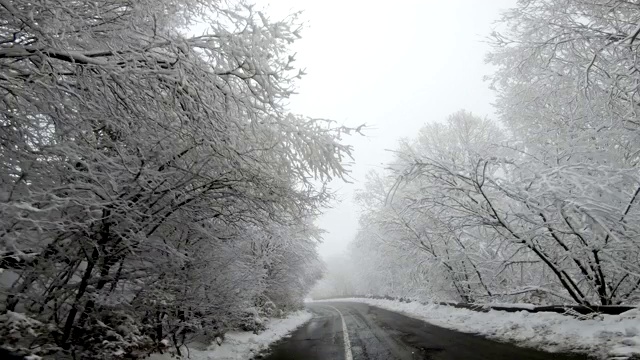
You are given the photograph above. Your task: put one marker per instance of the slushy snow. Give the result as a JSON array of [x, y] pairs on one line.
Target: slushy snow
[[607, 336], [240, 345]]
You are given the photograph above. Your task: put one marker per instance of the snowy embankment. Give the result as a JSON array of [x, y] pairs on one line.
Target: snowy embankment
[[606, 336], [243, 345]]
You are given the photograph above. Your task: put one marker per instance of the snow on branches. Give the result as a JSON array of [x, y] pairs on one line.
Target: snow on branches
[[153, 176]]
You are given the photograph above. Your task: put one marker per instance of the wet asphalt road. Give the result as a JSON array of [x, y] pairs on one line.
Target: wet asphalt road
[[377, 334]]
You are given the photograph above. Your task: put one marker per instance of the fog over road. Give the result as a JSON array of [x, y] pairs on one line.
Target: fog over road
[[377, 334]]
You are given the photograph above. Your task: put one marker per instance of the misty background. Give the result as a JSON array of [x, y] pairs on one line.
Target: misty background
[[392, 66]]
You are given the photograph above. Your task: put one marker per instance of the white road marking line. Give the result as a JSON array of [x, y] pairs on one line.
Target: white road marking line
[[345, 333]]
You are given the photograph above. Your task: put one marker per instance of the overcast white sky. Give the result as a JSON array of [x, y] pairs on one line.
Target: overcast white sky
[[394, 65]]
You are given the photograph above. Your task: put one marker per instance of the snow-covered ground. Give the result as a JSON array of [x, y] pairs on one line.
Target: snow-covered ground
[[244, 345], [608, 336]]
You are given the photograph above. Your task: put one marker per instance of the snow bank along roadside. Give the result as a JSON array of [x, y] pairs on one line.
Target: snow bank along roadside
[[606, 336], [244, 345]]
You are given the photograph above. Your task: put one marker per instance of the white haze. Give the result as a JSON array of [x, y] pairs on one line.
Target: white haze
[[392, 66]]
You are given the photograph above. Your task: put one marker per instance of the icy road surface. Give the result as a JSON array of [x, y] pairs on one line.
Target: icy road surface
[[377, 334]]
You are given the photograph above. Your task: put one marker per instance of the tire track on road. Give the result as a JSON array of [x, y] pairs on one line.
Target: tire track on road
[[347, 344]]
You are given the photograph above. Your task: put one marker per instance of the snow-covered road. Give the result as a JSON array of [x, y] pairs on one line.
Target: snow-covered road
[[373, 333]]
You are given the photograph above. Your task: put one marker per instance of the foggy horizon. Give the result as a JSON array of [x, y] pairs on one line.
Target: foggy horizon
[[419, 75]]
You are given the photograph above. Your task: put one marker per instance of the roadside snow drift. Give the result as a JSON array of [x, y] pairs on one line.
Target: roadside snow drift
[[607, 336], [245, 345]]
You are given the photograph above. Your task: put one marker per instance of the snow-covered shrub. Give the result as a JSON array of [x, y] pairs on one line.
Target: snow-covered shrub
[[252, 321], [113, 334], [269, 309], [27, 336]]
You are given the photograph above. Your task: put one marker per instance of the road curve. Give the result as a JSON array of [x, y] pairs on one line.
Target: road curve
[[377, 334]]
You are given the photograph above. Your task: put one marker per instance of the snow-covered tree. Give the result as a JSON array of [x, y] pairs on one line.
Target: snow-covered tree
[[567, 82], [152, 181], [420, 216], [480, 218], [542, 208]]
